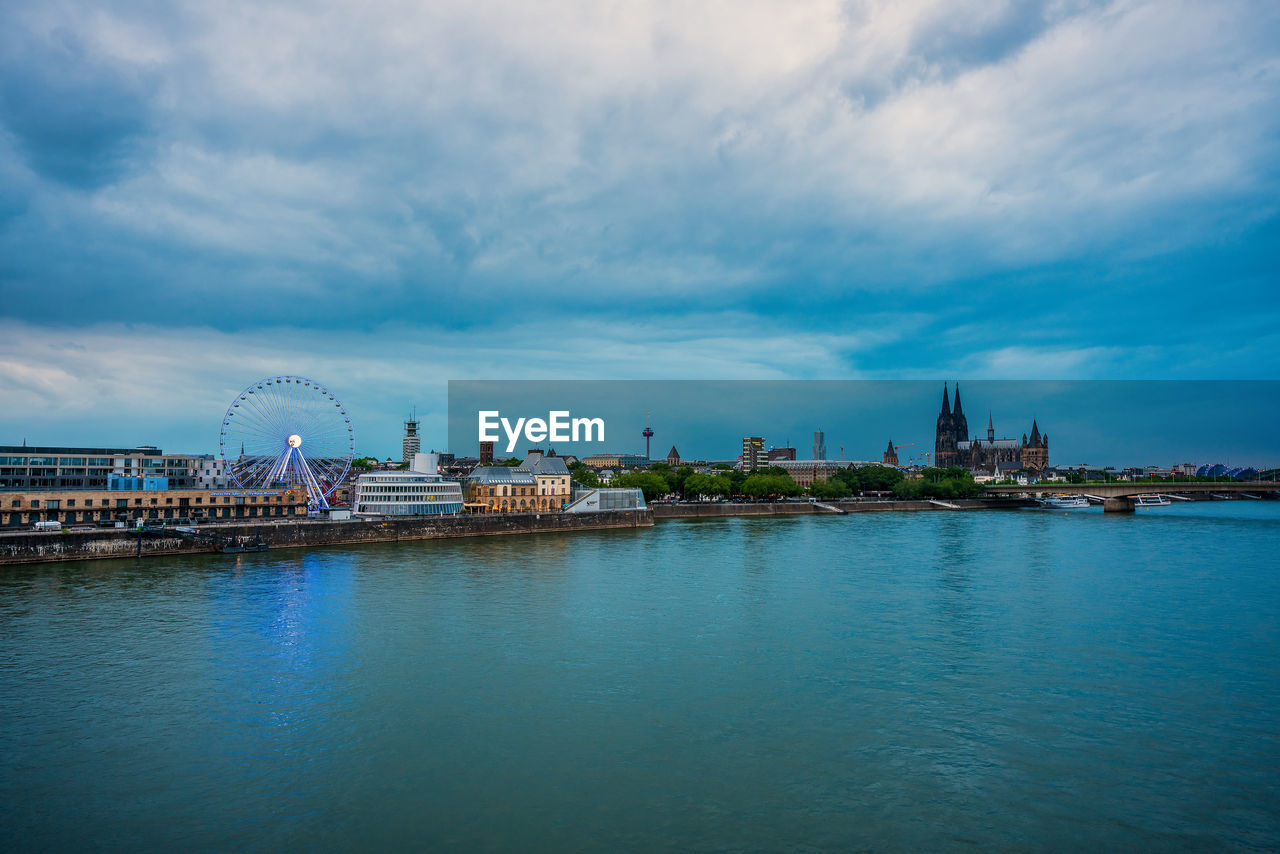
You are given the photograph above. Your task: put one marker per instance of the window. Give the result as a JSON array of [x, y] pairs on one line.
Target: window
[[88, 502], [14, 503], [71, 502], [35, 502], [168, 501]]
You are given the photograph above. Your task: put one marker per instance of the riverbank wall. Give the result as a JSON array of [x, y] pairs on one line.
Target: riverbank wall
[[53, 547], [713, 510]]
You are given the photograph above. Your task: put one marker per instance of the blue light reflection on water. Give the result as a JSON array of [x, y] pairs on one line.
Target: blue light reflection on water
[[913, 681]]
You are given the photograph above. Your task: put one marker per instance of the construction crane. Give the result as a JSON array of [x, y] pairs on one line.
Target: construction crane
[[908, 445]]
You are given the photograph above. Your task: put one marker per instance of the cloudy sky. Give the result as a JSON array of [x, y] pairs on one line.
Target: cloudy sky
[[389, 195]]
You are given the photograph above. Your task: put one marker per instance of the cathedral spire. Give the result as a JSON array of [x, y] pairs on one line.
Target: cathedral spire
[[1035, 433], [946, 402], [991, 430], [958, 410]]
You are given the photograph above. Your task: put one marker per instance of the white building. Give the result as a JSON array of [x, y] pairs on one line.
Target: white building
[[419, 491]]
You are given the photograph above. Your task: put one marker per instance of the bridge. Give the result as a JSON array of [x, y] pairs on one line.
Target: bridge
[[1117, 496]]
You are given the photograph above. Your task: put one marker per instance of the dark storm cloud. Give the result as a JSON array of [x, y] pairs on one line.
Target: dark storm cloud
[[77, 120], [1060, 185]]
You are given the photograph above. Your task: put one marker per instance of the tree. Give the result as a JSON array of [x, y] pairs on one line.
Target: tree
[[765, 482], [706, 485], [678, 477], [651, 484], [878, 478], [833, 488], [584, 475]]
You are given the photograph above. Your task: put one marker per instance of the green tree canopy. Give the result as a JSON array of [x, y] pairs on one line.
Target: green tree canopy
[[651, 484], [833, 488]]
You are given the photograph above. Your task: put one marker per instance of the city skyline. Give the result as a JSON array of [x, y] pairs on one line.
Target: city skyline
[[1096, 422]]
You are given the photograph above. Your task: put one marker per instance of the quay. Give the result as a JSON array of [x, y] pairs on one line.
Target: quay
[[100, 543]]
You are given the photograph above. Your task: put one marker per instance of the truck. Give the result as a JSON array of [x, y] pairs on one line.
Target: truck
[[47, 526]]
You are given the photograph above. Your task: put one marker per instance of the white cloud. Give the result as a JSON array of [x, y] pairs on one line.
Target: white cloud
[[573, 143]]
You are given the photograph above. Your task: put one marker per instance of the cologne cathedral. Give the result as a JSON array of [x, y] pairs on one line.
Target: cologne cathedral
[[953, 447]]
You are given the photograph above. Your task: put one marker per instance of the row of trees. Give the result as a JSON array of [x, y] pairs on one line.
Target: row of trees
[[661, 480]]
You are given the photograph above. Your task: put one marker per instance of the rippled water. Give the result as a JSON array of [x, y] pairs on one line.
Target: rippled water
[[915, 681]]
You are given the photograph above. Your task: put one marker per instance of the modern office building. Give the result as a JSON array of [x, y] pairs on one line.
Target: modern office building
[[819, 445], [613, 461], [419, 491], [28, 467], [752, 453]]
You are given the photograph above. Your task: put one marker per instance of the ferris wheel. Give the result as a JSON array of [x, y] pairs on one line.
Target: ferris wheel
[[288, 430]]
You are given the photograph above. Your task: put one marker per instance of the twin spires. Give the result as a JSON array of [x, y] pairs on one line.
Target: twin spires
[[946, 402]]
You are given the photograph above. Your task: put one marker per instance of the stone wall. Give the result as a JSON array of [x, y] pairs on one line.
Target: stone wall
[[31, 547]]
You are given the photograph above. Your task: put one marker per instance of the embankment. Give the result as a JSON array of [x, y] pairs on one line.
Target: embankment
[[31, 547], [698, 510]]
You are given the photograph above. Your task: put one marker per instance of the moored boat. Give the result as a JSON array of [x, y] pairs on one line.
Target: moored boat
[[1063, 502]]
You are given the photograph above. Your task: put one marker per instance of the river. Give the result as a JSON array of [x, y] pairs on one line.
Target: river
[[1007, 681]]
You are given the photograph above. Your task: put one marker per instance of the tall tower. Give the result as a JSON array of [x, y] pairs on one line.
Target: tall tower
[[648, 434], [752, 452], [944, 443], [819, 446], [991, 430], [961, 424], [412, 443]]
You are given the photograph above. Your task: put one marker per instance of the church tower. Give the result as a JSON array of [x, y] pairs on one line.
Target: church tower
[[1035, 451], [890, 455], [960, 424], [945, 441]]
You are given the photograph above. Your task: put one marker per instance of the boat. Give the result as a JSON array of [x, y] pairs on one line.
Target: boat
[[1063, 502], [1150, 500], [239, 545]]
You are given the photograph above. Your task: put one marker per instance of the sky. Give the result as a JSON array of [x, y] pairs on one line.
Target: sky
[[386, 196]]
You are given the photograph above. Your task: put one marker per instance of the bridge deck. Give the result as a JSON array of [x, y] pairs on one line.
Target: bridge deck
[[1123, 489]]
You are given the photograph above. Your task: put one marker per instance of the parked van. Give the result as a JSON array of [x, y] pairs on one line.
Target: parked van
[[48, 526]]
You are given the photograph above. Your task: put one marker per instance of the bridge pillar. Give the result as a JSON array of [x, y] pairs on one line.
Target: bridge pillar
[[1121, 504]]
